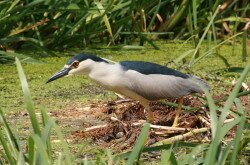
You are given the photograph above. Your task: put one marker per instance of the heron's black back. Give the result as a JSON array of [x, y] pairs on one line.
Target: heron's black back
[[82, 57], [151, 68]]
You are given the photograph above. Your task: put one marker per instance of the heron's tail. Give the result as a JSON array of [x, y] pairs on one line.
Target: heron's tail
[[201, 84]]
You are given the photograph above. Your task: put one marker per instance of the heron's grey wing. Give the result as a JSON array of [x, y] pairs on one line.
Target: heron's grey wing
[[158, 86], [148, 68]]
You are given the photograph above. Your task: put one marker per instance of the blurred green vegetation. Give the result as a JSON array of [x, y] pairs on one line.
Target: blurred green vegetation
[[48, 25]]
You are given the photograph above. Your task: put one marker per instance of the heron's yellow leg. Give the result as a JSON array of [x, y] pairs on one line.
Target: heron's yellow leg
[[178, 111], [150, 115]]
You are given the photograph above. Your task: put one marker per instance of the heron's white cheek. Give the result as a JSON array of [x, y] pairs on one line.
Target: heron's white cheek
[[78, 71], [72, 72]]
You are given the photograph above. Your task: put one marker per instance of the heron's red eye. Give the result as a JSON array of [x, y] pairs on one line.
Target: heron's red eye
[[75, 64]]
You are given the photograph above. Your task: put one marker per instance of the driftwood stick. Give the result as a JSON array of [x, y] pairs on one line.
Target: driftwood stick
[[204, 120], [140, 122], [95, 127], [228, 120], [181, 137], [165, 128], [123, 100], [207, 122]]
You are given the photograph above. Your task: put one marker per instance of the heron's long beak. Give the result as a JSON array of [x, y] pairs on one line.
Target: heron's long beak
[[59, 74]]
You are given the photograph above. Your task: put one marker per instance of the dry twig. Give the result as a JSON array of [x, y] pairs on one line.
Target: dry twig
[[181, 137]]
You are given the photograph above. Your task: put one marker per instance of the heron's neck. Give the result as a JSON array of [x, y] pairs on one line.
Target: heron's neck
[[99, 69], [104, 73]]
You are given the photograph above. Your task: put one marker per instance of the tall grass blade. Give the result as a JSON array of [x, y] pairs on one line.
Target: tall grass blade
[[216, 4], [165, 156], [244, 46], [239, 132], [213, 114], [12, 136], [135, 154], [44, 116], [6, 149], [173, 159], [212, 154], [27, 98], [226, 152], [105, 19], [214, 48], [47, 124], [184, 55], [204, 34], [193, 157], [78, 24], [59, 160], [209, 39], [66, 152], [40, 147], [227, 127], [31, 151], [154, 16], [234, 93], [46, 137], [149, 41], [194, 6], [22, 57], [173, 20], [37, 31], [20, 159]]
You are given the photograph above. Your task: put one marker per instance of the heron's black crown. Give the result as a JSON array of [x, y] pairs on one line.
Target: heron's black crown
[[151, 68], [82, 57]]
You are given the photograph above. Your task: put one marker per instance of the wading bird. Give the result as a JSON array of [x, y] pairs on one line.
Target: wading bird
[[138, 80]]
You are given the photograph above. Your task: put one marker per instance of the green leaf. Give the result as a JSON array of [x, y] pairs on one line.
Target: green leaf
[[213, 114], [41, 150], [140, 142], [22, 57], [209, 52], [225, 129], [234, 93], [184, 55], [133, 47], [244, 46], [27, 98], [31, 151], [239, 132], [204, 34], [13, 138], [66, 152], [73, 6], [235, 69], [20, 159], [7, 149], [165, 156], [105, 18], [154, 16], [46, 137], [225, 153]]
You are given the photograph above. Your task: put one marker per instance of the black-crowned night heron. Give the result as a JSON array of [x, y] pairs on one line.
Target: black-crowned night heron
[[142, 81]]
